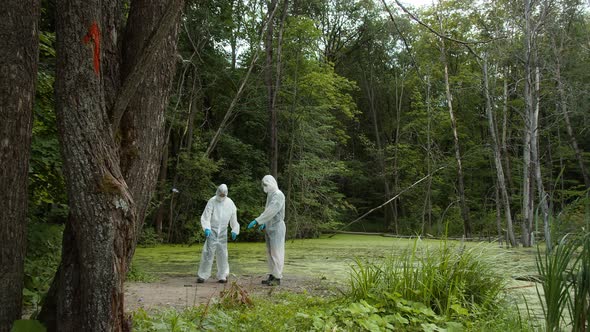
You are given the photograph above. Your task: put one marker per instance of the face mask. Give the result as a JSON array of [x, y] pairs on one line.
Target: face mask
[[265, 187]]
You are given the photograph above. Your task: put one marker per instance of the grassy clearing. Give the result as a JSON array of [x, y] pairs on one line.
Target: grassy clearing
[[334, 259]]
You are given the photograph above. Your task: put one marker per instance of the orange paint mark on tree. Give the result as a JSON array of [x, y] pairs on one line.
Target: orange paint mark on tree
[[94, 35]]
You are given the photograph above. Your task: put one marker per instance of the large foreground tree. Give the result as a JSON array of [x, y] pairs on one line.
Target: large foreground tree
[[113, 78], [19, 44]]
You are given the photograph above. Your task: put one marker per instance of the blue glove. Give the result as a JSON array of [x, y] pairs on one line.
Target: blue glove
[[262, 227], [252, 224], [207, 232], [234, 236]]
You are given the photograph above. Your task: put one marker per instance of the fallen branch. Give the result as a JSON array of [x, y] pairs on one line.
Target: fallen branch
[[390, 200]]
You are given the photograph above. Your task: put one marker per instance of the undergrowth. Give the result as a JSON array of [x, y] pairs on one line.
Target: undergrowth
[[448, 289]]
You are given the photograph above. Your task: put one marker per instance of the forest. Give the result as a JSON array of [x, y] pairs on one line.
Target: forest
[[456, 121]]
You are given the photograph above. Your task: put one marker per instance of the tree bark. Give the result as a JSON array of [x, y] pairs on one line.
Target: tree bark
[[268, 78], [19, 46], [461, 185], [505, 136], [527, 196], [543, 197], [498, 157], [110, 179]]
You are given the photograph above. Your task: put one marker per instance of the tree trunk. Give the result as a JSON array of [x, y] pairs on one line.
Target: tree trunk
[[501, 184], [18, 67], [398, 112], [427, 211], [527, 196], [268, 77], [505, 136], [461, 186], [499, 216], [543, 197], [110, 178]]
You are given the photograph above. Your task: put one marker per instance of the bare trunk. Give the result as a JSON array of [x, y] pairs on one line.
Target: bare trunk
[[268, 77], [499, 216], [18, 64], [109, 182], [543, 197], [505, 136], [498, 158], [275, 90], [427, 211], [461, 185], [527, 196], [398, 112]]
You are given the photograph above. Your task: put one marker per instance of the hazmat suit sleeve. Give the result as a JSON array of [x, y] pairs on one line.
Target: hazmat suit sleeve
[[206, 216], [272, 208], [233, 221]]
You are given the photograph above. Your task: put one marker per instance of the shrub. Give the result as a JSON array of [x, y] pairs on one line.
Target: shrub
[[452, 282]]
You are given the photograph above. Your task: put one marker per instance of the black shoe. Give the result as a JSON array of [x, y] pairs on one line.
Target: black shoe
[[270, 277], [200, 280], [274, 282], [222, 281]]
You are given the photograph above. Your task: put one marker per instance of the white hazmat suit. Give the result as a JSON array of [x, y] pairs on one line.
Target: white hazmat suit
[[219, 212], [273, 218]]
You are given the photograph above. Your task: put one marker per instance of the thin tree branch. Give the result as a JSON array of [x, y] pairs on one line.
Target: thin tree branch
[[393, 198], [463, 42], [228, 114]]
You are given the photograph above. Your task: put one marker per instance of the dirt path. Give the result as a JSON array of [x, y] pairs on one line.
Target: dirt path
[[181, 292]]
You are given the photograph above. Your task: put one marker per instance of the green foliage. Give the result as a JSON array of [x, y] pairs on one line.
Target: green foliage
[[28, 325], [455, 283], [148, 237], [281, 312], [47, 194], [41, 262]]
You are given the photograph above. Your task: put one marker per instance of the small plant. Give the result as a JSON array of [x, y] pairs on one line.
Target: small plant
[[235, 296]]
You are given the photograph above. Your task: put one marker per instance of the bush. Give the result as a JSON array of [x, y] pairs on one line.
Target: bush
[[422, 287], [148, 237]]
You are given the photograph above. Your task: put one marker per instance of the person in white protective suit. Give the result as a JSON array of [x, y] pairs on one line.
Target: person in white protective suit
[[272, 221], [219, 212]]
